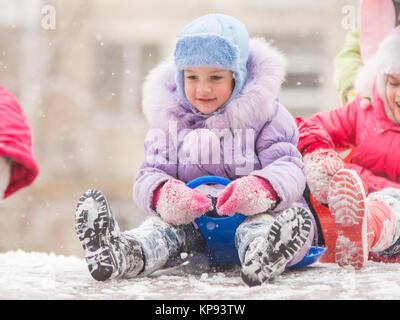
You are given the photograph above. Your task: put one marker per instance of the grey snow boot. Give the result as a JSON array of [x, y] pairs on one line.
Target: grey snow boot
[[108, 252], [266, 258]]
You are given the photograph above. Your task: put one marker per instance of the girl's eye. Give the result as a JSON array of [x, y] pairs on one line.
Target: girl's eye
[[216, 77], [394, 84], [191, 77]]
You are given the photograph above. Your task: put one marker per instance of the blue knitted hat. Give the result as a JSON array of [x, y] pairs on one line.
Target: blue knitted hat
[[213, 40]]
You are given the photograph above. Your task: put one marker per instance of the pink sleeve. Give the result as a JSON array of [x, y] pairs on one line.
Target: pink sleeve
[[335, 128], [373, 181], [15, 143]]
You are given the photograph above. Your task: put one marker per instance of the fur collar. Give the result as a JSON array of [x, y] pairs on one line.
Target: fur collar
[[254, 105]]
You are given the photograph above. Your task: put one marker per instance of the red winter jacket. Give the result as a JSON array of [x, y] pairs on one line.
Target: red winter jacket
[[374, 138], [15, 143]]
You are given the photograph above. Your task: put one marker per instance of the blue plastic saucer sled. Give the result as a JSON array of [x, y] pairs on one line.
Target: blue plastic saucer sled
[[220, 232]]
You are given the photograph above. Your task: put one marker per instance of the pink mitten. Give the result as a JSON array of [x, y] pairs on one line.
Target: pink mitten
[[178, 204], [248, 195], [320, 165]]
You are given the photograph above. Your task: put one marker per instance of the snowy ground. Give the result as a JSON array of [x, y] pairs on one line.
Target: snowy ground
[[46, 276]]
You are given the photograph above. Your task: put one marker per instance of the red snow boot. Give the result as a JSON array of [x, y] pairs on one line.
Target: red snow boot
[[362, 225], [348, 205]]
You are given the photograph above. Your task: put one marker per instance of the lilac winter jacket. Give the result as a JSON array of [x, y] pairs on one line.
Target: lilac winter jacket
[[252, 135]]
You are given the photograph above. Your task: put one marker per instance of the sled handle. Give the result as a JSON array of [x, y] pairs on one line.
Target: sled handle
[[208, 179]]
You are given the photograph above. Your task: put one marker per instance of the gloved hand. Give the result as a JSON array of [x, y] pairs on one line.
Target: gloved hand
[[248, 195], [178, 204], [320, 165]]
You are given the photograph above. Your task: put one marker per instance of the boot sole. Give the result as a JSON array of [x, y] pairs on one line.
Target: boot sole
[[93, 220], [347, 204], [274, 252]]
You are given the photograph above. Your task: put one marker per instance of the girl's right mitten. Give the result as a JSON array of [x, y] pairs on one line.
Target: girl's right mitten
[[178, 204]]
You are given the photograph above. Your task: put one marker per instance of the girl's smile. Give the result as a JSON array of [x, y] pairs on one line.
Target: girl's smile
[[206, 101]]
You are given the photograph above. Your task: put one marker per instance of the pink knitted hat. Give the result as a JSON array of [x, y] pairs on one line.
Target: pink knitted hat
[[377, 19], [388, 55]]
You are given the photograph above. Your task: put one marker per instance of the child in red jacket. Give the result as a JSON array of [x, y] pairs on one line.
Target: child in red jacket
[[365, 224], [18, 167]]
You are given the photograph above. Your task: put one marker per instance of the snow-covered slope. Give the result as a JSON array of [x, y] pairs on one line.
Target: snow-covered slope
[[36, 275]]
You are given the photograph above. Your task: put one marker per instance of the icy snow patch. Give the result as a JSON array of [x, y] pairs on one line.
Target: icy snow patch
[[35, 275]]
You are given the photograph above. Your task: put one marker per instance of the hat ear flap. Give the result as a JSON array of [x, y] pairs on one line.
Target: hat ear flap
[[365, 79]]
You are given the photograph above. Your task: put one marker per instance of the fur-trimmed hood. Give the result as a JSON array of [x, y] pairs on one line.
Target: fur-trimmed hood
[[373, 75], [252, 106]]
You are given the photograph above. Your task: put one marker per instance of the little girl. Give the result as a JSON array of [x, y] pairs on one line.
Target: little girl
[[365, 224], [213, 110], [18, 167]]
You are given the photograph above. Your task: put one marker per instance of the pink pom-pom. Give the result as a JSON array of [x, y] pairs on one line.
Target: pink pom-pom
[[365, 103]]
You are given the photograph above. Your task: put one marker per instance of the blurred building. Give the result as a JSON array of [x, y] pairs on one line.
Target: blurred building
[[77, 68]]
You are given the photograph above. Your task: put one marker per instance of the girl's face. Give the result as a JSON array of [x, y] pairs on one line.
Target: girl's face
[[208, 88], [393, 94]]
